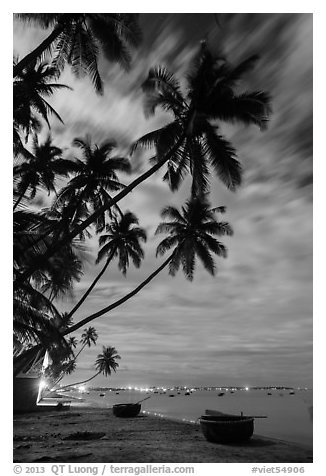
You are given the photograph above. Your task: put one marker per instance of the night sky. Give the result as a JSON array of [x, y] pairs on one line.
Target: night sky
[[252, 323]]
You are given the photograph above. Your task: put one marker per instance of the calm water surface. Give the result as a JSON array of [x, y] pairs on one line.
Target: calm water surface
[[289, 417]]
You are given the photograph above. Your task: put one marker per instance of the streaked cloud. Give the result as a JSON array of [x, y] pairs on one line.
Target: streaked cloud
[[253, 321]]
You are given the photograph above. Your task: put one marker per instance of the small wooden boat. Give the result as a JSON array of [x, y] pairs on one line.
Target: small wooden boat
[[126, 410], [292, 393], [102, 394], [171, 395], [269, 393], [187, 393], [227, 428], [220, 394], [217, 413]]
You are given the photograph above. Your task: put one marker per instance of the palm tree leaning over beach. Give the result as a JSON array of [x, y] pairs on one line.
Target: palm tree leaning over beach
[[122, 241], [31, 89], [72, 341], [192, 142], [77, 39], [44, 165], [191, 234], [193, 139], [88, 337], [96, 176], [105, 363]]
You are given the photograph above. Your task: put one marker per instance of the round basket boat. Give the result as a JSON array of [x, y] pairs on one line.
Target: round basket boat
[[227, 429], [126, 410]]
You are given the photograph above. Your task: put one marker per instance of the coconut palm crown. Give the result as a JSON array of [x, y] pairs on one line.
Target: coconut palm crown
[[193, 140], [106, 361], [191, 235], [31, 89], [123, 241], [89, 336], [78, 38], [41, 169], [95, 175]]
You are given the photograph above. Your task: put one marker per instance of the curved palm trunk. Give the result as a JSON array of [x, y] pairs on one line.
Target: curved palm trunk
[[78, 353], [39, 50], [101, 209], [89, 290], [120, 301], [79, 383]]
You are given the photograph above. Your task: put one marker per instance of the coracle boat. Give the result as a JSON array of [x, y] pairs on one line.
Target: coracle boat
[[224, 428], [126, 410]]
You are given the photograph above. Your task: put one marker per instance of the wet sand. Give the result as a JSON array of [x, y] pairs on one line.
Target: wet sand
[[63, 436]]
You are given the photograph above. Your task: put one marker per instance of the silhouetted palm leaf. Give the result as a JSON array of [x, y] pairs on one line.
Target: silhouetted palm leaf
[[79, 37]]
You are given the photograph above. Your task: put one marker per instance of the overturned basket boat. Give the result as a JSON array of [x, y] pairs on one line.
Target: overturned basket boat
[[227, 428], [126, 410]]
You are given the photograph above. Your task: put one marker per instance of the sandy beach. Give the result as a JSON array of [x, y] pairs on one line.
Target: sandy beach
[[94, 435]]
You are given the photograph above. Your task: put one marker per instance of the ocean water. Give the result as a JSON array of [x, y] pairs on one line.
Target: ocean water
[[289, 417]]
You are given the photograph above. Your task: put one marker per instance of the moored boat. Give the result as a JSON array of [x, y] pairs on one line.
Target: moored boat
[[126, 410], [225, 428]]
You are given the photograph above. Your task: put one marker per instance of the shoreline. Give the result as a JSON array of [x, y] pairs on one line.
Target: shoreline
[[59, 436]]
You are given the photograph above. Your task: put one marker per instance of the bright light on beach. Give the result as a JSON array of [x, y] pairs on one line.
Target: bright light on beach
[[42, 384], [247, 389]]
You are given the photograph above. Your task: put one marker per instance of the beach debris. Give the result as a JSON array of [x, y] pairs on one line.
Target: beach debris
[[45, 459], [84, 435], [63, 457]]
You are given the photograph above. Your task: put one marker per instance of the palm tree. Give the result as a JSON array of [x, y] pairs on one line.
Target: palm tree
[[78, 37], [105, 363], [66, 367], [44, 165], [55, 275], [96, 175], [192, 142], [122, 242], [33, 84], [88, 338], [72, 341], [211, 96], [191, 234], [35, 329]]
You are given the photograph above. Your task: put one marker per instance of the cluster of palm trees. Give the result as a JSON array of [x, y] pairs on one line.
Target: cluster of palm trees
[[50, 244]]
